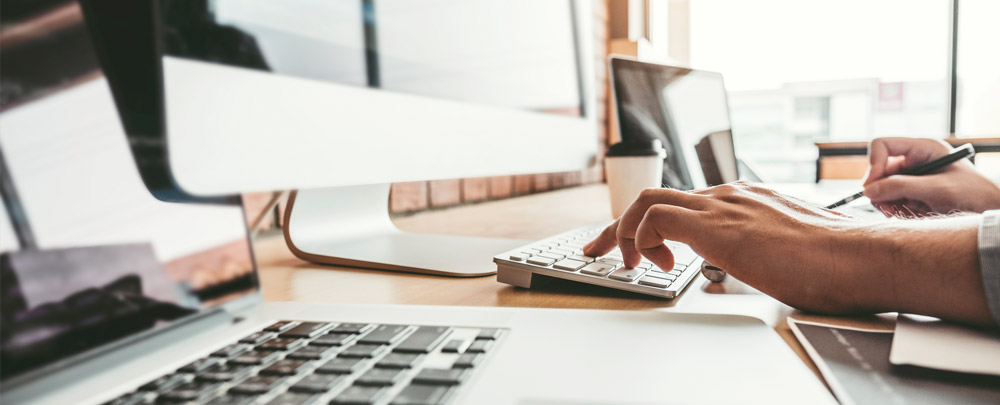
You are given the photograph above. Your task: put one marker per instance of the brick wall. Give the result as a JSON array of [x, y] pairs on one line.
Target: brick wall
[[421, 195]]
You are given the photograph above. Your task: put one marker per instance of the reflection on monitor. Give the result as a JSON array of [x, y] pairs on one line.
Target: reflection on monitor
[[105, 260], [679, 106]]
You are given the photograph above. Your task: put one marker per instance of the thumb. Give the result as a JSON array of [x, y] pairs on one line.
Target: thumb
[[902, 187]]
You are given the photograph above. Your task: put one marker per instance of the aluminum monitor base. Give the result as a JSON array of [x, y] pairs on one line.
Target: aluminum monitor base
[[350, 226]]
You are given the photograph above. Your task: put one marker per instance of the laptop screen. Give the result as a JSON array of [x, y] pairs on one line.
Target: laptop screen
[[679, 106], [90, 257]]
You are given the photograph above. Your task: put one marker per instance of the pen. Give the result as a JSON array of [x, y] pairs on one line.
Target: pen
[[959, 153]]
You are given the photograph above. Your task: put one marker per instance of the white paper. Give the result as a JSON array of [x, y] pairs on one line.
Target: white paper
[[933, 343]]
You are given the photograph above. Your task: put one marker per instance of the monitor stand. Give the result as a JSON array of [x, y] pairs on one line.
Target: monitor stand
[[350, 226]]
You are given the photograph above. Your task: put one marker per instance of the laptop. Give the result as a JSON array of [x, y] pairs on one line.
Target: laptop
[[111, 295]]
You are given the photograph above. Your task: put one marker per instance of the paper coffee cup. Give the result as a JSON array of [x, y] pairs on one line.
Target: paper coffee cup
[[630, 168]]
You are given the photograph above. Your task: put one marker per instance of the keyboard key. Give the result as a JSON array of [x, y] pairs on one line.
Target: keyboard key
[[281, 344], [488, 334], [400, 360], [479, 346], [541, 261], [627, 275], [295, 398], [561, 251], [424, 340], [357, 394], [232, 350], [385, 334], [281, 326], [468, 360], [234, 399], [597, 269], [363, 351], [666, 276], [224, 372], [192, 391], [340, 365], [164, 383], [644, 265], [200, 364], [532, 251], [286, 367], [319, 382], [520, 257], [455, 346], [312, 353], [569, 264], [258, 385], [256, 358], [674, 273], [680, 267], [381, 377], [334, 339], [581, 258], [654, 282], [439, 376], [353, 328], [307, 330], [422, 395], [553, 256], [257, 338], [610, 262]]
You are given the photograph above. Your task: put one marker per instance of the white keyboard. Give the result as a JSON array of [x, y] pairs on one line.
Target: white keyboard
[[562, 256]]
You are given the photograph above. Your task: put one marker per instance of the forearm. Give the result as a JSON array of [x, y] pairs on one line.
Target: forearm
[[933, 269]]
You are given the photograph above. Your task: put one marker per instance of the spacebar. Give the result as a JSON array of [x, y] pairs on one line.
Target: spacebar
[[424, 340]]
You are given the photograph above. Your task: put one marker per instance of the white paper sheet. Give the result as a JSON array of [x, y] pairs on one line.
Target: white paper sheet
[[933, 343]]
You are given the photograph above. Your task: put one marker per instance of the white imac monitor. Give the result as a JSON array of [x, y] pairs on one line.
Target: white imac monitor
[[340, 98]]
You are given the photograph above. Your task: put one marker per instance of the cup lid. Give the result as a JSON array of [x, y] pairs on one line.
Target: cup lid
[[638, 148]]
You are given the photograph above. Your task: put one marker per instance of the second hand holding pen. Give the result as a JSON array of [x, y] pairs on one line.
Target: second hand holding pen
[[959, 153]]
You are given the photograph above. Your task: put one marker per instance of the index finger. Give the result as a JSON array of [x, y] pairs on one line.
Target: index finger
[[629, 221], [914, 151], [604, 242]]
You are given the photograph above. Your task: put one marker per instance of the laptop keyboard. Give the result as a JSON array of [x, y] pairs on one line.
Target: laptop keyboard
[[296, 363], [561, 256]]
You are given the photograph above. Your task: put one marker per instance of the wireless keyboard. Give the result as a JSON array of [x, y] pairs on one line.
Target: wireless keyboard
[[561, 256]]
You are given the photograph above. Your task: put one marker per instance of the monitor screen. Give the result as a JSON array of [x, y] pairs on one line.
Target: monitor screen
[[678, 106], [462, 50], [89, 256]]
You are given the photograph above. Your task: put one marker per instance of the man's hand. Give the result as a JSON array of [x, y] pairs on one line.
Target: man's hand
[[806, 256], [957, 187]]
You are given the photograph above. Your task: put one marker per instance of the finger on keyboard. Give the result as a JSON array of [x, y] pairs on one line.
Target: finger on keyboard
[[603, 243]]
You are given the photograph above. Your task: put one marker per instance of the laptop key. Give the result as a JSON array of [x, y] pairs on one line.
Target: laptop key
[[400, 360], [281, 326], [231, 350], [442, 376], [200, 364], [295, 398], [468, 360], [312, 353], [353, 328], [340, 365], [192, 391], [334, 339], [256, 358], [424, 340], [380, 377], [455, 346], [363, 351], [281, 344], [224, 372], [360, 395], [257, 338], [164, 383], [286, 367], [385, 334], [307, 330], [319, 382], [258, 385], [479, 346], [422, 395]]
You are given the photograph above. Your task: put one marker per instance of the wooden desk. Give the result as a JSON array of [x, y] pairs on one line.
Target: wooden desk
[[285, 277]]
